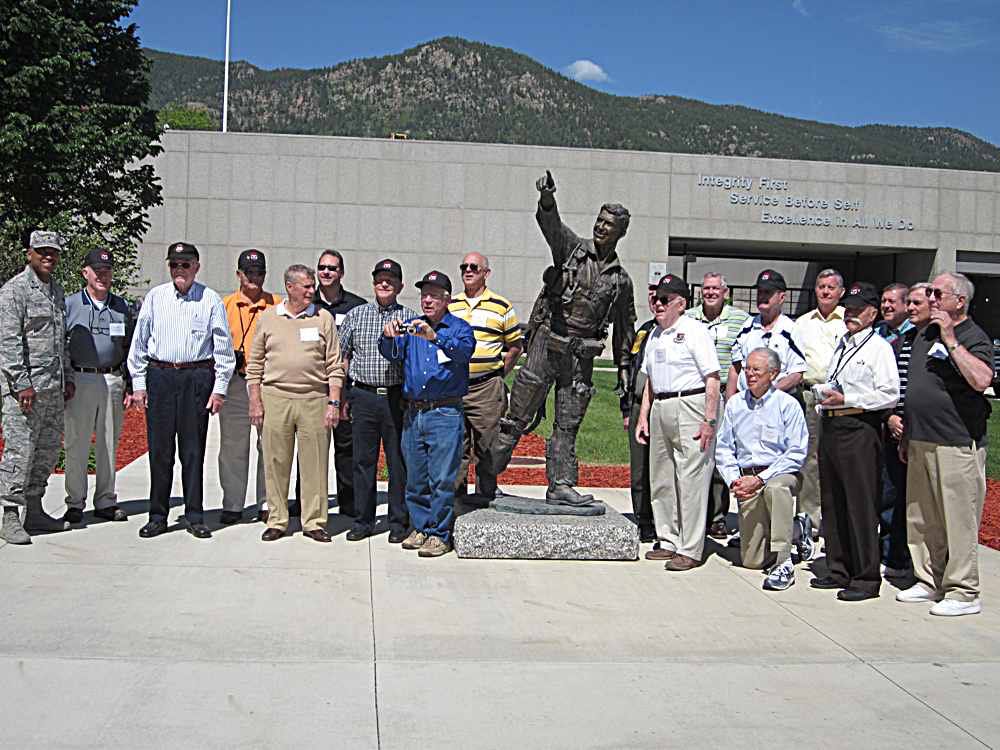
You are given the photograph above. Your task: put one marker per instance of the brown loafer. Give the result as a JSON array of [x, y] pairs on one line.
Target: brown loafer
[[718, 530], [681, 562], [660, 553], [318, 535], [271, 535]]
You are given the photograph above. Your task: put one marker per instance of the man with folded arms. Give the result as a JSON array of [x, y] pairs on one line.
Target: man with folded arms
[[435, 350], [944, 445], [760, 451], [295, 375], [862, 385], [181, 361], [679, 409]]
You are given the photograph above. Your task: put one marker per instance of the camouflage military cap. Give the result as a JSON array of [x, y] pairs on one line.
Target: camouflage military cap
[[40, 238]]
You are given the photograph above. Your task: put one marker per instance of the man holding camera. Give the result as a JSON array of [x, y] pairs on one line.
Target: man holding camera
[[243, 309]]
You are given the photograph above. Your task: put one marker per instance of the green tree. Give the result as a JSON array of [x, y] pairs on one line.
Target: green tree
[[75, 131], [180, 117]]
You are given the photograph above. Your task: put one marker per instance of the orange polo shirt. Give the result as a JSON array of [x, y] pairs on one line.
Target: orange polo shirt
[[243, 314]]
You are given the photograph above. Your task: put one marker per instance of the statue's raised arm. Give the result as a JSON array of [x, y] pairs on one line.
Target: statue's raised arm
[[560, 237]]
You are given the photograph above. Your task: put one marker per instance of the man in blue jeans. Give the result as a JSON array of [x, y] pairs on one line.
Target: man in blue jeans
[[435, 350]]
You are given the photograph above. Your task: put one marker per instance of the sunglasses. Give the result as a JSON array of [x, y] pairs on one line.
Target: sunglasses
[[47, 250], [175, 264], [939, 293], [664, 300], [324, 267], [474, 267]]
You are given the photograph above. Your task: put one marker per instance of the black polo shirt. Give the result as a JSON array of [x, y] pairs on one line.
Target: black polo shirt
[[338, 309], [941, 407]]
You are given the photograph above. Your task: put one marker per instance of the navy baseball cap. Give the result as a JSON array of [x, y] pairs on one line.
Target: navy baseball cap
[[388, 266], [861, 293], [770, 279], [435, 278]]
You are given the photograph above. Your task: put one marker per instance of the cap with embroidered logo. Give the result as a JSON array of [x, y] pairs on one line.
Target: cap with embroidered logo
[[671, 284], [861, 293], [435, 278], [98, 259], [388, 266], [251, 259], [182, 251]]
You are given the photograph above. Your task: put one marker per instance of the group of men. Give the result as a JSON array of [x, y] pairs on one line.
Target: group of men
[[873, 429], [287, 373]]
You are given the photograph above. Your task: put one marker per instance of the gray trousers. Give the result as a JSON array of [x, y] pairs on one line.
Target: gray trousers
[[96, 409], [31, 446], [234, 449]]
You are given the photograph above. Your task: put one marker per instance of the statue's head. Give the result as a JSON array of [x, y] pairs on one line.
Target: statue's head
[[611, 224]]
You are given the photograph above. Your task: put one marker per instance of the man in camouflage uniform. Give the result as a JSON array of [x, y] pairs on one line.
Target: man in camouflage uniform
[[586, 289], [37, 380]]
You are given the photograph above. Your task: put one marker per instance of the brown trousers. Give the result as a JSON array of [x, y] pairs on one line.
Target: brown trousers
[[485, 404]]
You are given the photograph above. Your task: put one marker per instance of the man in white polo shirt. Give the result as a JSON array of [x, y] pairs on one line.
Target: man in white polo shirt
[[677, 419]]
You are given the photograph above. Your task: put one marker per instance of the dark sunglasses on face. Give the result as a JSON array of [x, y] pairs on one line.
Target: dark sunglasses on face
[[939, 293], [175, 264], [323, 267], [474, 267], [663, 300]]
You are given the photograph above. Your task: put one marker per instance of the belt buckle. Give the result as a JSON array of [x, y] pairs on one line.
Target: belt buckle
[[381, 391]]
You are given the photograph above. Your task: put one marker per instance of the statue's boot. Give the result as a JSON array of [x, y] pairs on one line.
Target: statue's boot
[[37, 520], [12, 531], [502, 450], [563, 494]]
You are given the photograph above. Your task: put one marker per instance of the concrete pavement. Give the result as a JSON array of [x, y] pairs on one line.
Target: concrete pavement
[[113, 641]]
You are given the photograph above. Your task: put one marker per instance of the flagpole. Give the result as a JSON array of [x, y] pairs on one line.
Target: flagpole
[[225, 85]]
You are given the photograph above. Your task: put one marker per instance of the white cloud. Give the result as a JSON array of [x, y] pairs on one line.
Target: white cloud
[[586, 71], [936, 36], [800, 6]]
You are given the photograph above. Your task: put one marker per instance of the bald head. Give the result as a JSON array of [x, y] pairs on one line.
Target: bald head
[[475, 269]]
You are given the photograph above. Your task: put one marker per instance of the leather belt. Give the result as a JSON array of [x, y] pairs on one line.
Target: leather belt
[[748, 471], [200, 364], [378, 390], [428, 405], [851, 412], [97, 370], [677, 394], [484, 378]]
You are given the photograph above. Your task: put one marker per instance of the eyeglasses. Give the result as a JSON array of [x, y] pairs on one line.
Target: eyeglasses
[[323, 267], [474, 267], [939, 293], [175, 264], [384, 282]]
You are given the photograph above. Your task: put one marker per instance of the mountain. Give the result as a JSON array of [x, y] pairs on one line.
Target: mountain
[[451, 89]]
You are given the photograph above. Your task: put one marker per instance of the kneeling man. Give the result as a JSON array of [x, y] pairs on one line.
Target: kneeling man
[[760, 451]]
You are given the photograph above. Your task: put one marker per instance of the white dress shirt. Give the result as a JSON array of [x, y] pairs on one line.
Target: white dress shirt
[[679, 358], [778, 339], [769, 431], [864, 366]]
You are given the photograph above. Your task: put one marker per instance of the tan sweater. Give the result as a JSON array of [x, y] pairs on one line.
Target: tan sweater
[[297, 358]]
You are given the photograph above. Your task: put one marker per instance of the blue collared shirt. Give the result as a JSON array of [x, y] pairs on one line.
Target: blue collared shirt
[[434, 370], [769, 431]]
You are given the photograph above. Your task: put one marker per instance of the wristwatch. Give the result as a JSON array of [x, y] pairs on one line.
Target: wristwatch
[[711, 422], [334, 402]]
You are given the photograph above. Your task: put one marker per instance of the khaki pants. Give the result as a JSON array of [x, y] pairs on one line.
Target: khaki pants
[[680, 473], [945, 490], [285, 421], [809, 495], [234, 449], [97, 408], [484, 405], [766, 525]]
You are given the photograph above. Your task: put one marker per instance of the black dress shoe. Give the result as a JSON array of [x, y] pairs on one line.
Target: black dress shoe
[[318, 535], [229, 517], [827, 582], [73, 516], [358, 533], [114, 513], [271, 535], [856, 595], [153, 528], [262, 515], [396, 536], [199, 531]]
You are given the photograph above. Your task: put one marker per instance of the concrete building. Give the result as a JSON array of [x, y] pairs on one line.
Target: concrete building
[[426, 203]]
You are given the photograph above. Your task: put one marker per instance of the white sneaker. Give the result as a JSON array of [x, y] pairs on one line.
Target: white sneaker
[[954, 608], [918, 593]]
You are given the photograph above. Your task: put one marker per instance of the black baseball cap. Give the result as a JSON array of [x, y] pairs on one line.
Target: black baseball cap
[[770, 279], [251, 259], [861, 293], [182, 251], [437, 279], [388, 266], [99, 258], [670, 284]]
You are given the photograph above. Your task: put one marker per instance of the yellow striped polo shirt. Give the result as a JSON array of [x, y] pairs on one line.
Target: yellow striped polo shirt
[[496, 328]]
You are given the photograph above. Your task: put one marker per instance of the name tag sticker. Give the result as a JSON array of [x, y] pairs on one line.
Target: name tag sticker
[[340, 318], [117, 329], [661, 356], [442, 357], [308, 334]]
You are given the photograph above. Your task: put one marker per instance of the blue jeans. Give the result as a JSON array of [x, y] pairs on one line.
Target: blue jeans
[[432, 450]]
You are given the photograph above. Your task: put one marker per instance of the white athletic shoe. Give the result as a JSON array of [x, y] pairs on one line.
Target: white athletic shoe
[[918, 593], [954, 608]]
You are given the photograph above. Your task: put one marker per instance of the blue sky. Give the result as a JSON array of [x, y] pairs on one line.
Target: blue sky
[[908, 62]]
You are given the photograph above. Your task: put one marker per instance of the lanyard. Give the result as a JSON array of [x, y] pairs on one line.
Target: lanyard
[[841, 363], [243, 328]]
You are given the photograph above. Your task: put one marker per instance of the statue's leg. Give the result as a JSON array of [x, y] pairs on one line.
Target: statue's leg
[[574, 389], [531, 386]]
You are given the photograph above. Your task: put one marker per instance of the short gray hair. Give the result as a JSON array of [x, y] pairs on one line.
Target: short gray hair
[[921, 286], [773, 361], [297, 269], [961, 285], [716, 275], [827, 273]]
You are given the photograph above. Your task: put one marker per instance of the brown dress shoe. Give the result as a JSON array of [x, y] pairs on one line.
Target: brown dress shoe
[[718, 530], [681, 562], [660, 553], [272, 535], [318, 535]]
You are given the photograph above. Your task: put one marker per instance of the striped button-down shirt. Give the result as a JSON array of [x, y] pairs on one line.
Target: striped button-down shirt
[[495, 324], [724, 329], [359, 337], [175, 327], [905, 346]]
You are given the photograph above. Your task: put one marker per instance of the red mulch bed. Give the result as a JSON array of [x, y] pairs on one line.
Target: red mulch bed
[[133, 446]]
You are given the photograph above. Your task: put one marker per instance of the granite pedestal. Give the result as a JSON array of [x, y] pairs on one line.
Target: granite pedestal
[[492, 534]]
